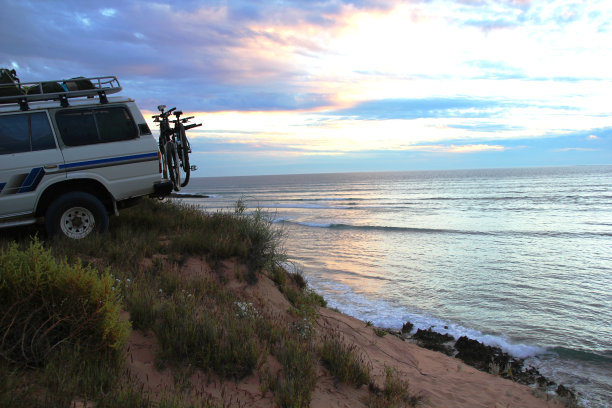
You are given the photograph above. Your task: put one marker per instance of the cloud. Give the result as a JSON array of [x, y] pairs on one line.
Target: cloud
[[575, 149], [473, 148], [108, 12], [418, 108], [343, 76]]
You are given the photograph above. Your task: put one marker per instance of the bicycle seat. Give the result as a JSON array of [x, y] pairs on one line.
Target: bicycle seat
[[178, 113]]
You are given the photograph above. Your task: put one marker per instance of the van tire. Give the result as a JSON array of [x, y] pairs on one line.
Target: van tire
[[76, 215]]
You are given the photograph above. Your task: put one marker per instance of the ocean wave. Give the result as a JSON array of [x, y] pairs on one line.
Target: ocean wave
[[543, 198], [326, 199], [541, 234], [381, 228], [312, 206], [385, 314]]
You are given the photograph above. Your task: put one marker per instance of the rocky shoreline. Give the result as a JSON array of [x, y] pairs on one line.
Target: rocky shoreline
[[482, 357]]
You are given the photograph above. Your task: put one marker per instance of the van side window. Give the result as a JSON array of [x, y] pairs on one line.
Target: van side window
[[25, 132], [79, 127]]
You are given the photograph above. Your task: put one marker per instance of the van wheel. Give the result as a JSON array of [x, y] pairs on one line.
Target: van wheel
[[76, 215]]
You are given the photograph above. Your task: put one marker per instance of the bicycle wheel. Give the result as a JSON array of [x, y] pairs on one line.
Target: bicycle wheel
[[162, 150], [184, 153], [172, 161]]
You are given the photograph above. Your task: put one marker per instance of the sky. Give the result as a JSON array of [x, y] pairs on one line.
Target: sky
[[310, 86]]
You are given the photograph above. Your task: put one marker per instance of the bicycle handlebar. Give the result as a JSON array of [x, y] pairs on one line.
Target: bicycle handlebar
[[187, 127], [168, 112], [163, 115]]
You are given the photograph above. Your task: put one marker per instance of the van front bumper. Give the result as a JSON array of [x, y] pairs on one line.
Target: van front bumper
[[162, 189]]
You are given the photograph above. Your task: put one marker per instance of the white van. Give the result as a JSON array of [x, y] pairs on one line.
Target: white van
[[70, 155]]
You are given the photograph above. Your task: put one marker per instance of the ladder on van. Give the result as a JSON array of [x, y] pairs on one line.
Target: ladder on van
[[61, 90]]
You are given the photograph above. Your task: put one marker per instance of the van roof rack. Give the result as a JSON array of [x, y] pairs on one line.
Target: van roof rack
[[60, 90]]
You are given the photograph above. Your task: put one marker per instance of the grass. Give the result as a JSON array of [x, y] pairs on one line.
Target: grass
[[380, 332], [344, 361], [297, 379], [395, 393], [197, 323], [46, 304], [212, 337]]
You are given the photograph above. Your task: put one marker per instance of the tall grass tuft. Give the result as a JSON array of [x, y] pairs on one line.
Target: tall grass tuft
[[344, 361], [262, 238], [395, 393], [294, 386]]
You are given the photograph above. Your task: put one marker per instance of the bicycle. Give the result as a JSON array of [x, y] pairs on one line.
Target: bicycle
[[167, 147], [182, 144], [174, 146]]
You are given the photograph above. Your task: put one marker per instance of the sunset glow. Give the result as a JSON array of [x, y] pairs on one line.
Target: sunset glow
[[345, 86]]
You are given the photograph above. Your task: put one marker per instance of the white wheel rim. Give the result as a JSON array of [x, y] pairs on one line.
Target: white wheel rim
[[77, 222]]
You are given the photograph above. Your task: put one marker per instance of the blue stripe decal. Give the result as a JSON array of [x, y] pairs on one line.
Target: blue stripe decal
[[31, 182], [2, 186], [109, 160]]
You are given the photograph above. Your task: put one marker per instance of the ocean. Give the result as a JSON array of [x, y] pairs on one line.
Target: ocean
[[516, 258]]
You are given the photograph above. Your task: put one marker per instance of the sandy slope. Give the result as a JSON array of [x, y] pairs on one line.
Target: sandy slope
[[442, 381]]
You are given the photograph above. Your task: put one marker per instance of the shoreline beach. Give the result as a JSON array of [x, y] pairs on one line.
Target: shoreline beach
[[440, 380]]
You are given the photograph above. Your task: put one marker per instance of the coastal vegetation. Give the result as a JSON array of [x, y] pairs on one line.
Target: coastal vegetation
[[67, 309]]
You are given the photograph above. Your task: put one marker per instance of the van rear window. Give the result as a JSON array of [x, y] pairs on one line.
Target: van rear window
[[79, 127]]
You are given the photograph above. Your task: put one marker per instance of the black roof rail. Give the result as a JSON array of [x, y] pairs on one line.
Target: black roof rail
[[59, 90]]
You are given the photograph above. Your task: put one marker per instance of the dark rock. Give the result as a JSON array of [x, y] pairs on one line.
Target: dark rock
[[407, 327], [478, 355], [565, 392], [432, 340], [543, 382], [485, 358], [529, 376]]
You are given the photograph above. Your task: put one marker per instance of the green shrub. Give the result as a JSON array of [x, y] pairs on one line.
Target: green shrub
[[279, 276], [343, 361], [298, 278], [380, 332], [263, 240], [46, 303]]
